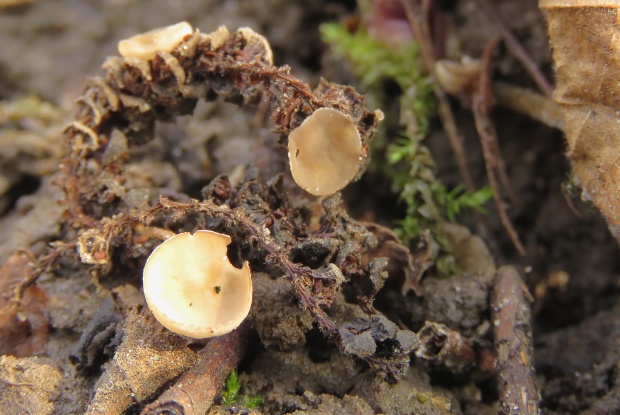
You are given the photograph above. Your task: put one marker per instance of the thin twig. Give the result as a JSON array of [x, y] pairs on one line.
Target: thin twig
[[195, 391], [490, 146], [419, 26], [515, 47], [510, 313]]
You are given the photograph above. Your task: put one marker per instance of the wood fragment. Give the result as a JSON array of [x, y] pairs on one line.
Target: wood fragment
[[445, 348], [511, 317], [195, 391]]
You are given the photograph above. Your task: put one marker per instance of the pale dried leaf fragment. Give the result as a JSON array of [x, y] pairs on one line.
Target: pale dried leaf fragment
[[143, 364], [146, 45], [585, 37]]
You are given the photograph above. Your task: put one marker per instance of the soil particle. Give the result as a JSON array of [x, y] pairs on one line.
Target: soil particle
[[470, 252], [33, 223], [280, 324], [460, 302], [28, 385], [580, 364], [73, 301], [411, 395], [325, 404], [282, 378]]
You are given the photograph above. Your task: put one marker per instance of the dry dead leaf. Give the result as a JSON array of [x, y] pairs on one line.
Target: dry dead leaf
[[24, 324], [585, 37]]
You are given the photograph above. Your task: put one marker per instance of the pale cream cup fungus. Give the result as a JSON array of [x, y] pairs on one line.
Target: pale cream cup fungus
[[193, 289], [325, 152], [146, 45]]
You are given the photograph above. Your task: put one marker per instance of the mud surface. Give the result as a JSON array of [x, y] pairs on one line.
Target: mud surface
[[81, 337]]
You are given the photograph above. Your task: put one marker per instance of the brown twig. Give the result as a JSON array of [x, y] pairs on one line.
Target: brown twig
[[510, 313], [419, 25], [515, 47], [195, 391], [490, 146]]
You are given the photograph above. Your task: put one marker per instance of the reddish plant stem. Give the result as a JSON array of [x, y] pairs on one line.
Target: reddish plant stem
[[490, 147], [515, 47]]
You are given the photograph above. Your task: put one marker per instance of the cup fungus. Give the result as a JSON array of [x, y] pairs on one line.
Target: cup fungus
[[192, 288], [325, 152], [454, 76], [146, 45]]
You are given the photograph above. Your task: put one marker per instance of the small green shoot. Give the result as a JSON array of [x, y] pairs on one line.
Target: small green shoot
[[457, 199], [251, 401], [230, 395]]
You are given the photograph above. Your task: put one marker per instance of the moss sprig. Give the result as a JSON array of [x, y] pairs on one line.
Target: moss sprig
[[230, 394]]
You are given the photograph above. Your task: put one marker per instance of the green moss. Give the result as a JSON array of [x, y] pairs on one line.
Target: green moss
[[230, 394]]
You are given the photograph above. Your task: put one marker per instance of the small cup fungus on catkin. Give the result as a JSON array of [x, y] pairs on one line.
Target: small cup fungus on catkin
[[193, 289], [146, 45], [454, 77], [325, 152]]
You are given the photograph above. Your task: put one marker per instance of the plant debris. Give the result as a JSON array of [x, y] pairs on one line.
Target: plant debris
[[24, 324], [162, 357], [582, 38]]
